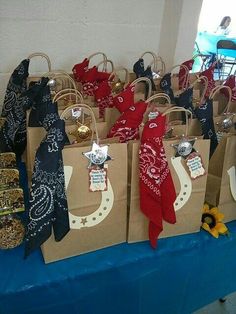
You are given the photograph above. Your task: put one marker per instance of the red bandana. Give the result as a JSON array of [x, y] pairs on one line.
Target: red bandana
[[183, 74], [209, 73], [79, 69], [125, 99], [127, 126], [232, 84], [89, 81], [103, 97], [157, 191]]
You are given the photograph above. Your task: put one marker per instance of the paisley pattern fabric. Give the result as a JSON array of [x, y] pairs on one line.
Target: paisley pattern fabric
[[165, 85], [204, 114], [48, 203], [140, 71], [230, 82], [127, 126], [185, 100], [103, 97], [13, 133], [183, 76], [79, 69], [124, 99], [209, 73], [157, 191], [15, 86]]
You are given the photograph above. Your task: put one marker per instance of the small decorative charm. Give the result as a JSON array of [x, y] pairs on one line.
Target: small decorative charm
[[195, 166], [98, 155], [52, 83], [82, 132], [117, 86], [212, 221], [184, 147], [153, 115], [227, 123]]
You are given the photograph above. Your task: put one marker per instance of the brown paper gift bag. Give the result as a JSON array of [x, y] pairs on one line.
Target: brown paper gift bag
[[36, 134], [224, 123], [221, 180], [97, 219], [190, 193]]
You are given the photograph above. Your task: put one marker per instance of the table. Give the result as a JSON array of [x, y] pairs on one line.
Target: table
[[207, 43], [183, 274]]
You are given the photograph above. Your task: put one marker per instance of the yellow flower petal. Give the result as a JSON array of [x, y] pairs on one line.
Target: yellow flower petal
[[214, 232], [221, 228], [214, 210], [206, 227], [220, 217], [205, 208]]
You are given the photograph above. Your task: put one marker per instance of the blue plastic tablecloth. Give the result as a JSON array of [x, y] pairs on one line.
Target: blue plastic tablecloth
[[207, 43], [183, 274]]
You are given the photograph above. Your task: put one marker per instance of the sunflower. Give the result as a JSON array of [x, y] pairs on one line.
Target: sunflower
[[212, 221]]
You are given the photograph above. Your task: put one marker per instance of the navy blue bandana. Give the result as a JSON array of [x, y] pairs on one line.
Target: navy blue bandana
[[15, 86], [204, 114], [140, 71], [13, 132], [185, 100], [165, 85], [48, 203]]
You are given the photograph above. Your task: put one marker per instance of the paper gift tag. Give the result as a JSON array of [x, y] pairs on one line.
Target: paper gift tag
[[7, 160], [11, 201], [97, 179], [9, 178], [76, 112], [195, 166]]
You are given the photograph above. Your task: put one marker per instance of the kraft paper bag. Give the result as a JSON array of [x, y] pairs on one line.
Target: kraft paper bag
[[101, 217], [188, 211], [221, 180], [36, 134]]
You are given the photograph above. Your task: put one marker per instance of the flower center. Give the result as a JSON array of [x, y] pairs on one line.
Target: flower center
[[209, 219]]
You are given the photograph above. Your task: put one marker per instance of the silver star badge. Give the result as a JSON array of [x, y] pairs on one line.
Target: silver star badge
[[98, 155], [184, 147]]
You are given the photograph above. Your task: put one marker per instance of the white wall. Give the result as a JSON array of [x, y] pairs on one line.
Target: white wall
[[70, 30], [187, 30]]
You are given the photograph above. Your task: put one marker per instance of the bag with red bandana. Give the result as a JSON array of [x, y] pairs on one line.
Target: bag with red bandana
[[130, 113], [166, 190]]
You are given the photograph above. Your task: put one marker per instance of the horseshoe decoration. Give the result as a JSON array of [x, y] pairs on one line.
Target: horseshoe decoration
[[78, 222], [232, 181], [185, 183]]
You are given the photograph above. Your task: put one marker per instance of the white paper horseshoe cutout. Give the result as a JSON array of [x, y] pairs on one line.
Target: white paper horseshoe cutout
[[232, 181], [185, 183], [78, 222]]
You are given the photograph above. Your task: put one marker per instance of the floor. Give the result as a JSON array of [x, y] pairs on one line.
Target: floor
[[228, 307]]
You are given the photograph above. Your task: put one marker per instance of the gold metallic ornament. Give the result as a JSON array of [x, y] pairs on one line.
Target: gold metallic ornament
[[82, 132], [117, 86]]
